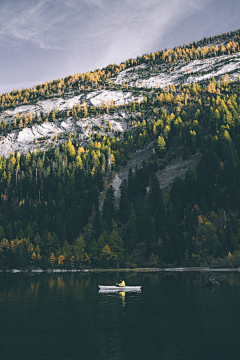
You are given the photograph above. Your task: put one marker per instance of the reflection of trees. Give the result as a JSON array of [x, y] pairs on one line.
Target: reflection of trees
[[16, 286], [19, 287], [175, 313]]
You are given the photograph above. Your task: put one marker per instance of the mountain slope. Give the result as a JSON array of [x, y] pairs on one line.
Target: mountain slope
[[160, 70], [65, 142]]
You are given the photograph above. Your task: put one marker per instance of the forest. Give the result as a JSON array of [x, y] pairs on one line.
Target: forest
[[50, 211]]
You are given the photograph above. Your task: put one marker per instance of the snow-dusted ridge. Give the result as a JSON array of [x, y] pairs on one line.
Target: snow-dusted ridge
[[179, 73], [41, 136], [94, 98], [42, 105], [118, 97]]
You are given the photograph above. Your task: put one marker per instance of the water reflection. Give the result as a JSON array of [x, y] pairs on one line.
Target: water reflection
[[123, 297], [14, 287], [63, 316]]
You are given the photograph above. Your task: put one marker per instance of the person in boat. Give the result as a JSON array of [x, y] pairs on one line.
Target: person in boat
[[122, 283]]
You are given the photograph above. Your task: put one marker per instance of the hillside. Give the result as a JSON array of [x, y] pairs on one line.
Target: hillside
[[65, 142], [52, 102]]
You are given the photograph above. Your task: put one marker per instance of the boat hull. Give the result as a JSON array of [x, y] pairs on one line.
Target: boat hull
[[104, 288]]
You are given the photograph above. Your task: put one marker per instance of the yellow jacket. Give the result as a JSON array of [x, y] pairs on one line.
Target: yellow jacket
[[122, 283]]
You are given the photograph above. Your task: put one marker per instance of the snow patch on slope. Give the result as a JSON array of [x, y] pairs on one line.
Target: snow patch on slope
[[118, 97], [94, 98], [54, 133], [184, 74], [42, 105], [130, 74], [60, 103]]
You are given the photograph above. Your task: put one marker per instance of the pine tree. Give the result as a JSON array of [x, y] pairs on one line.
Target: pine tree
[[67, 251], [124, 206], [109, 208], [97, 221], [155, 195], [131, 189], [116, 245], [29, 231], [106, 254], [9, 231], [161, 145], [144, 223], [102, 241], [79, 249], [2, 233], [94, 254], [132, 229]]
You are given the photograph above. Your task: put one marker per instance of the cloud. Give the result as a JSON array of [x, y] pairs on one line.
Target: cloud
[[67, 24], [144, 23], [60, 37], [32, 22]]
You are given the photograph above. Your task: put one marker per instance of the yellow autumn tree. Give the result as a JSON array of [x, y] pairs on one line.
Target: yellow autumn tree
[[85, 109], [33, 258], [161, 144], [71, 149], [106, 253], [211, 88], [61, 259], [72, 261], [52, 259]]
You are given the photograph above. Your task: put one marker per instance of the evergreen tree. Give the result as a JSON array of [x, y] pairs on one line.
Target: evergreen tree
[[97, 221], [109, 208], [131, 189], [9, 231], [2, 233], [124, 206], [155, 196], [79, 249], [132, 229], [116, 245]]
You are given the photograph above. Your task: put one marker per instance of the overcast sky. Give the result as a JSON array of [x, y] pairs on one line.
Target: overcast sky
[[42, 40]]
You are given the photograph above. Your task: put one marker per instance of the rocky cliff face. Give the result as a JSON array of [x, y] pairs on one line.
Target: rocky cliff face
[[41, 136]]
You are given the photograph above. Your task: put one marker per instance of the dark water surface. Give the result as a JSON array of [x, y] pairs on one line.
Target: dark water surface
[[62, 316]]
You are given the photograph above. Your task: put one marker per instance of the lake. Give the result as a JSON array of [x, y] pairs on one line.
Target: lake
[[62, 316]]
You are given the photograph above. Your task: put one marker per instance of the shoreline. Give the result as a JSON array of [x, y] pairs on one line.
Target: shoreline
[[139, 270]]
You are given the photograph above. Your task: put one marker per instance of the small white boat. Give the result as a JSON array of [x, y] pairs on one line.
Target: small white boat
[[113, 288]]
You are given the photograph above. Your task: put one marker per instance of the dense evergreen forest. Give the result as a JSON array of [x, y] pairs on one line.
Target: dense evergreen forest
[[49, 208]]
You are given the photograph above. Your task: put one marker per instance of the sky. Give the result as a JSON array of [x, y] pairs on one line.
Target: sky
[[44, 40]]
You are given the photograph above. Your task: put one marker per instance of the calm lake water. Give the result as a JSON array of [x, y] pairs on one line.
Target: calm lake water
[[62, 316]]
